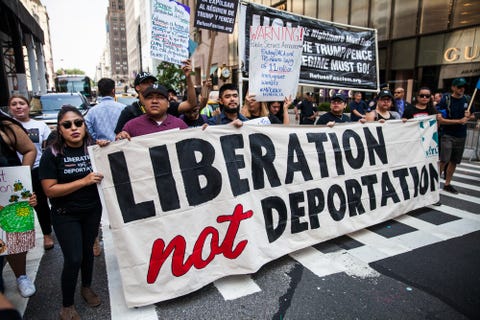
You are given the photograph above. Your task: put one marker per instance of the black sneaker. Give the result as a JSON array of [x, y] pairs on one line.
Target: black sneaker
[[450, 189], [437, 204]]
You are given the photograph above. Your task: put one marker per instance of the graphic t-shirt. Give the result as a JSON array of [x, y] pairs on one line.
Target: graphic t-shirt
[[413, 112], [73, 165]]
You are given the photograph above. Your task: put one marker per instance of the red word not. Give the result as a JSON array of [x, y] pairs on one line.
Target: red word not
[[178, 244]]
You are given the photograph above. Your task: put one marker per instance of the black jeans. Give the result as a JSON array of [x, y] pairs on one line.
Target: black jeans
[[76, 234]]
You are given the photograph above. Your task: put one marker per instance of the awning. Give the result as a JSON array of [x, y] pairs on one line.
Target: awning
[[29, 24]]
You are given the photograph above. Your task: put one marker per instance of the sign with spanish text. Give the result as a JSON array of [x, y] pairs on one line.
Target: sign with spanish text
[[334, 55], [275, 58], [17, 226], [170, 31], [216, 15], [189, 207]]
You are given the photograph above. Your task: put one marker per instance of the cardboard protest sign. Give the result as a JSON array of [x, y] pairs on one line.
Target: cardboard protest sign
[[170, 31], [17, 226], [216, 15], [334, 55], [189, 207], [275, 58]]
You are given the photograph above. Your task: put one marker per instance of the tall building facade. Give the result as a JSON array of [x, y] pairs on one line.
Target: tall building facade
[[117, 41]]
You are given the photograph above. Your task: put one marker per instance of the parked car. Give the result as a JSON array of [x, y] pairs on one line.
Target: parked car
[[126, 98], [45, 107]]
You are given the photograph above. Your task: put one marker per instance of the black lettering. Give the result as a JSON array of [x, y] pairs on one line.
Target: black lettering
[[355, 163], [388, 191], [164, 180], [401, 174], [377, 146], [316, 203], [337, 150], [354, 196], [193, 170], [369, 181], [416, 180], [268, 205], [336, 215], [234, 163], [297, 212], [423, 180], [433, 177], [263, 163], [123, 189], [319, 139], [302, 163]]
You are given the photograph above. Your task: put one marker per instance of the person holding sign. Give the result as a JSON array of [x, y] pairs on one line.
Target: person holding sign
[[155, 119], [68, 181], [382, 111], [229, 103], [337, 106], [13, 141], [279, 111], [253, 109], [38, 131]]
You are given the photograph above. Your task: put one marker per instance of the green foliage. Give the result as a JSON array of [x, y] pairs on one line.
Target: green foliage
[[171, 76], [69, 71], [324, 106]]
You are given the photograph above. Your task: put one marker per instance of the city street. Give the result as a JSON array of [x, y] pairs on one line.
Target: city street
[[422, 265]]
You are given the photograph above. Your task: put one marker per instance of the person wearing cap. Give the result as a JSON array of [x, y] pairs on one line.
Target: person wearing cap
[[308, 111], [337, 106], [144, 80], [155, 119], [383, 110], [452, 117]]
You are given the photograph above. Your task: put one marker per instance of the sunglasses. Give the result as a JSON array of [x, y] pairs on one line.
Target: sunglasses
[[68, 124], [424, 95]]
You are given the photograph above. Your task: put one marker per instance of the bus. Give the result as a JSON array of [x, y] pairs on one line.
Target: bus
[[74, 83]]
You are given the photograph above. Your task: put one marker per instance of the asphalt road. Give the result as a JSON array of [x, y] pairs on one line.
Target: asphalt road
[[422, 265]]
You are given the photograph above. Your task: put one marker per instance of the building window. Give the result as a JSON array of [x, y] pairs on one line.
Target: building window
[[405, 21], [380, 15], [434, 15], [465, 13], [340, 11], [403, 54], [359, 13], [325, 9]]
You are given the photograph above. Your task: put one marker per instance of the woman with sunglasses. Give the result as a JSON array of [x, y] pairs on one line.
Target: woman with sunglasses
[[423, 106], [68, 181]]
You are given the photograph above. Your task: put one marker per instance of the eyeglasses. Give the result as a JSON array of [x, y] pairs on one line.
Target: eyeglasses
[[424, 95], [68, 124]]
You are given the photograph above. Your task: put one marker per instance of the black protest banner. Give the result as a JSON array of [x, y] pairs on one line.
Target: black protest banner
[[334, 55], [216, 15]]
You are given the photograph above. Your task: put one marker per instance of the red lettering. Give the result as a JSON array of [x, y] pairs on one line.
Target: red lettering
[[177, 247]]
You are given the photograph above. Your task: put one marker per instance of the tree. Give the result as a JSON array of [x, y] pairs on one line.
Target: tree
[[171, 76], [69, 71]]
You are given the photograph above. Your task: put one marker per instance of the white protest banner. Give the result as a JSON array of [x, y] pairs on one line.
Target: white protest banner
[[170, 31], [189, 207], [275, 59], [17, 226], [334, 55]]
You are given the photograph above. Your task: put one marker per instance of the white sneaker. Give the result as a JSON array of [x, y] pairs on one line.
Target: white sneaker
[[25, 286]]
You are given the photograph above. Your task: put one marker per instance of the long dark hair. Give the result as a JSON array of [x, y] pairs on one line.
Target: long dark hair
[[58, 143], [6, 123]]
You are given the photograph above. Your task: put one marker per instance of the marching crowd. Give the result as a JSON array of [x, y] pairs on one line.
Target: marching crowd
[[62, 172]]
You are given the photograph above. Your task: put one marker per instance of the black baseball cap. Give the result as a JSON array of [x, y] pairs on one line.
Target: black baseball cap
[[155, 88], [142, 76], [459, 82], [385, 93], [339, 96]]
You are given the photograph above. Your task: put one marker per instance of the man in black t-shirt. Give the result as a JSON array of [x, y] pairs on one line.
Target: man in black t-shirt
[[308, 110], [337, 106]]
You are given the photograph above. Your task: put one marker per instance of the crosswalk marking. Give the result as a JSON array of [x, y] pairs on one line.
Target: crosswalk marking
[[234, 287], [464, 185], [461, 196]]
